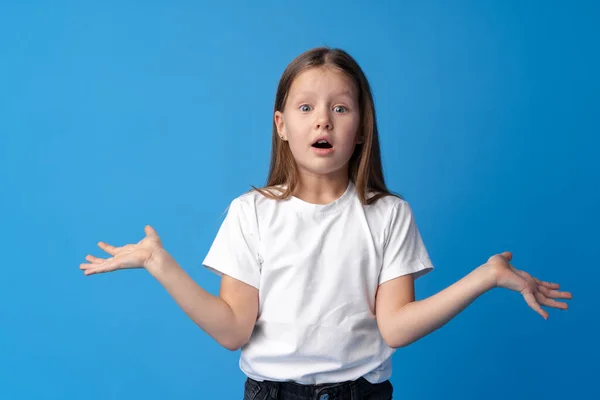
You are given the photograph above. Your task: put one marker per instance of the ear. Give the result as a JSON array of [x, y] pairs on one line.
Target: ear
[[280, 124], [360, 140]]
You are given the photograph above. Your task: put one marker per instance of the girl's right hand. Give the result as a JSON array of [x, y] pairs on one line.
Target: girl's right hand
[[125, 257]]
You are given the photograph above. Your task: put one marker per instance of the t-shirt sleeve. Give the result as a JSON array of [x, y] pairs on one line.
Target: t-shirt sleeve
[[234, 250], [404, 251]]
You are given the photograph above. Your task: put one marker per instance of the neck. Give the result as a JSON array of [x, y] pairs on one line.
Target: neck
[[321, 189]]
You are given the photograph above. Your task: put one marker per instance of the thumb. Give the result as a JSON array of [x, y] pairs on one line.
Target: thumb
[[150, 231], [507, 255]]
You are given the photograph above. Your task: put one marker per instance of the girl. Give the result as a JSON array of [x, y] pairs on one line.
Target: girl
[[318, 267]]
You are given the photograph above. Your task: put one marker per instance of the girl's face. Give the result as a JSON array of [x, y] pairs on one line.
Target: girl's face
[[321, 104]]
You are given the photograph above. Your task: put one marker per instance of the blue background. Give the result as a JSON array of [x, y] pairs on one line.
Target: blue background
[[117, 115]]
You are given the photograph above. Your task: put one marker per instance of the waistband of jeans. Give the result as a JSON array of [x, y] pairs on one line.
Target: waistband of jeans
[[342, 390]]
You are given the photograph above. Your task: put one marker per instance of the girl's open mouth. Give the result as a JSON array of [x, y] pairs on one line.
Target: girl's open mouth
[[322, 144]]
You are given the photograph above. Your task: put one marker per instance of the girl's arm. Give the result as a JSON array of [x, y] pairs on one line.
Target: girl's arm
[[402, 320], [229, 318]]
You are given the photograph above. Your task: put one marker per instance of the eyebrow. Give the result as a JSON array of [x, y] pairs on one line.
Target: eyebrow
[[345, 92]]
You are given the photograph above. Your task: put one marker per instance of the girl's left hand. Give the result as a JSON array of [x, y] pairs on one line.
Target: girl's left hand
[[535, 291]]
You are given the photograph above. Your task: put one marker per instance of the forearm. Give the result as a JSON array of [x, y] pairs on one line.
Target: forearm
[[209, 312], [419, 318]]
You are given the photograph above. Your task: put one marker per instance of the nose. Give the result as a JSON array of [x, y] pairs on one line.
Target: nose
[[324, 121]]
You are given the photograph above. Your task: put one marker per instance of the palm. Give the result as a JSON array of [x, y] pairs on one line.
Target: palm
[[535, 292], [125, 257]]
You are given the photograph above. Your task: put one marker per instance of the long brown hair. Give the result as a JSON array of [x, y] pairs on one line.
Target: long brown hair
[[364, 168]]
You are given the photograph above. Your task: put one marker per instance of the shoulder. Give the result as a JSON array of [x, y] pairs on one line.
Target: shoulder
[[254, 198], [391, 212], [388, 203], [250, 203]]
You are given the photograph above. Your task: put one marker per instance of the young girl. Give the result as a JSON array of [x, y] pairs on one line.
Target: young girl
[[318, 267]]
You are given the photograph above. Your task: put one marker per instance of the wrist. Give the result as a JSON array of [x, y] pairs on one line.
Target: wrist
[[488, 276], [158, 261]]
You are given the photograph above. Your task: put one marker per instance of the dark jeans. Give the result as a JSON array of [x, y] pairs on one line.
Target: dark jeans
[[360, 389]]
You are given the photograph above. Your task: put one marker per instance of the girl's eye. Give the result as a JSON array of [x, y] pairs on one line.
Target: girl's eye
[[339, 109]]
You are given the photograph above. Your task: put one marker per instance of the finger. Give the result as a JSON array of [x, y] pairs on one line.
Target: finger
[[94, 260], [112, 250], [97, 270], [107, 266], [547, 284], [555, 294], [150, 231], [530, 299], [93, 271], [543, 300]]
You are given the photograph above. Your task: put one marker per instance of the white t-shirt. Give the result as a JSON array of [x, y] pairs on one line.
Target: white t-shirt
[[317, 268]]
